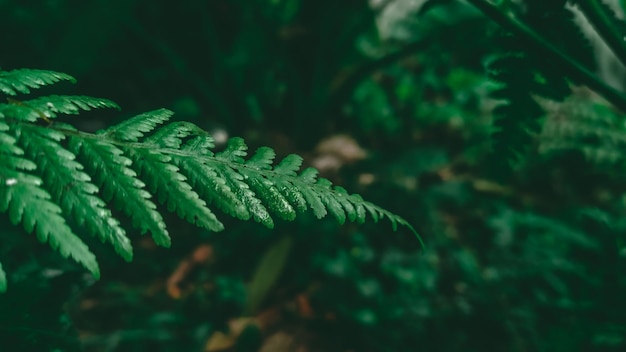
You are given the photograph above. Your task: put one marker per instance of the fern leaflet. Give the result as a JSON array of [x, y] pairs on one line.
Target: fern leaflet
[[19, 81]]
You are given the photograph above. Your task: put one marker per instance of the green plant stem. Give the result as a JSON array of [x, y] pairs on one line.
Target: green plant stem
[[602, 24], [575, 69]]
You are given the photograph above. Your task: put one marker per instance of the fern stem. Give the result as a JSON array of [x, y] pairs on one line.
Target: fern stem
[[569, 64], [602, 24]]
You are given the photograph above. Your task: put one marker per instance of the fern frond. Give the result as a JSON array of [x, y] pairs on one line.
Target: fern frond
[[53, 178], [216, 189], [68, 104], [26, 202], [518, 113], [19, 81], [171, 188], [253, 188], [71, 188], [134, 128], [521, 74], [119, 183], [582, 124], [49, 106]]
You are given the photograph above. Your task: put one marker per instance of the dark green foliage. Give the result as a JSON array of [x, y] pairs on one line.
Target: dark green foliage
[[525, 73], [47, 175], [482, 122], [587, 126]]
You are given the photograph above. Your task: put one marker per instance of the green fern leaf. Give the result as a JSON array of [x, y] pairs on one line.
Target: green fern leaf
[[254, 206], [19, 81], [268, 194], [309, 176], [11, 153], [67, 104], [262, 159], [359, 206], [119, 183], [71, 188], [125, 165], [348, 207], [235, 151], [171, 188], [200, 145], [267, 188], [289, 165], [134, 128], [48, 107], [27, 203], [172, 134], [216, 189], [330, 201]]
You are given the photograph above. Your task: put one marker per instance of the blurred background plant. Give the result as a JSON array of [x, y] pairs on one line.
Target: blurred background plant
[[389, 98]]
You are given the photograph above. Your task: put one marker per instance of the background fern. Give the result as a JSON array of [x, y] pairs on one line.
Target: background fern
[[584, 124], [522, 73], [55, 178]]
